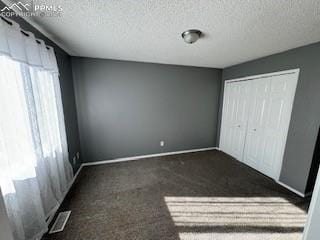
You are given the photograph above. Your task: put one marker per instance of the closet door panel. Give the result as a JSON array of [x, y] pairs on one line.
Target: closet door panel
[[255, 142], [273, 134], [235, 112], [226, 133], [270, 156], [281, 96], [241, 118]]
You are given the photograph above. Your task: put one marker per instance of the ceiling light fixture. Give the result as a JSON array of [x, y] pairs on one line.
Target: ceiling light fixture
[[191, 36]]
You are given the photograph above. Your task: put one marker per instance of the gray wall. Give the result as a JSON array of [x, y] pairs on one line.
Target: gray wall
[[67, 89], [126, 108], [305, 118]]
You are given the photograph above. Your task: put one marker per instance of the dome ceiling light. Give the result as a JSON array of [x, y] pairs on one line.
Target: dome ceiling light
[[191, 36]]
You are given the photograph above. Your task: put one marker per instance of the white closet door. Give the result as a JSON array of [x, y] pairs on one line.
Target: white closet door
[[227, 116], [268, 122], [234, 118], [257, 121], [282, 93]]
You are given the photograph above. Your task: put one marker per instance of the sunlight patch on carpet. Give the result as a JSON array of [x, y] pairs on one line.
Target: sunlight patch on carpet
[[244, 217]]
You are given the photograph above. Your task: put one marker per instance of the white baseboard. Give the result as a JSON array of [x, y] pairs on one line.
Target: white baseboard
[[142, 157], [54, 211], [291, 189], [125, 159], [280, 183]]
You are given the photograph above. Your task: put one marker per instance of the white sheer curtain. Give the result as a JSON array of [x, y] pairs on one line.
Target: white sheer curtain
[[35, 172]]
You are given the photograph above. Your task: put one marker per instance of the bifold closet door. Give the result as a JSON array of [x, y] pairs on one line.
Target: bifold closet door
[[255, 119], [269, 118], [234, 118], [259, 95]]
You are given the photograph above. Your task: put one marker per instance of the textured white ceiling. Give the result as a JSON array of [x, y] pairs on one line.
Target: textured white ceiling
[[150, 30]]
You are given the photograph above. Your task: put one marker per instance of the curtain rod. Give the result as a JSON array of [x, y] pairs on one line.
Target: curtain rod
[[22, 31]]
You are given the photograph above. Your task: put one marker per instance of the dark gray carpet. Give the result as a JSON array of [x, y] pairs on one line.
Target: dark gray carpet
[[204, 195]]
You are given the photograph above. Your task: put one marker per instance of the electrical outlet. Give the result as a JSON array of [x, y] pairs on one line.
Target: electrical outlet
[[161, 143], [78, 155], [74, 160]]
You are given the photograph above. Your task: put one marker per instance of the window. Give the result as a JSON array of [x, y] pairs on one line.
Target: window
[[35, 170]]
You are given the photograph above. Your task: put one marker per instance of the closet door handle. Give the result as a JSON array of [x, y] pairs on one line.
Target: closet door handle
[[254, 129]]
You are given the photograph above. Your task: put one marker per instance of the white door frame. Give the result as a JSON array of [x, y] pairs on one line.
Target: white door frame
[[259, 76], [311, 229], [264, 75]]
